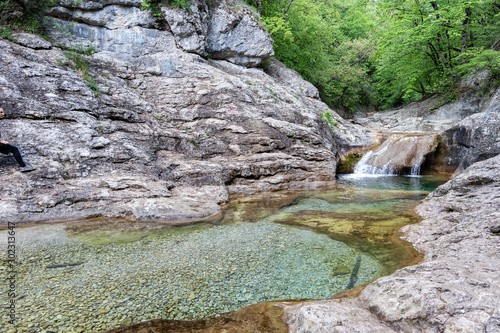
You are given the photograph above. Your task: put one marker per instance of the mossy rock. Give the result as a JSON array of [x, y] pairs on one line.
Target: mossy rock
[[346, 164]]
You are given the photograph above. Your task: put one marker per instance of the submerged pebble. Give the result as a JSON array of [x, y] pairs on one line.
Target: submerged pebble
[[178, 275], [109, 277]]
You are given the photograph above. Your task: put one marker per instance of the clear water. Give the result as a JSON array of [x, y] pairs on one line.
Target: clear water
[[425, 183], [300, 245]]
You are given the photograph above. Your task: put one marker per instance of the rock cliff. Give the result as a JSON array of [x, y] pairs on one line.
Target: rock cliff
[[147, 128]]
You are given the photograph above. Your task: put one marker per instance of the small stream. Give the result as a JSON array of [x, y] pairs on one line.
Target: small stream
[[90, 276]]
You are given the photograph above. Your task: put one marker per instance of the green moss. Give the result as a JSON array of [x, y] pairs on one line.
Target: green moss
[[347, 165]]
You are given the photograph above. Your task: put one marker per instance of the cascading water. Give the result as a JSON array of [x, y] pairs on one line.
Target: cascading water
[[399, 154], [415, 169], [363, 167]]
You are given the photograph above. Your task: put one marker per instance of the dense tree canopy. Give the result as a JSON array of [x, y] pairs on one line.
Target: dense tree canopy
[[358, 52], [388, 52]]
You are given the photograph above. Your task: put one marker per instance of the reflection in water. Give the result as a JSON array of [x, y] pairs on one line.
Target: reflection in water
[[387, 182]]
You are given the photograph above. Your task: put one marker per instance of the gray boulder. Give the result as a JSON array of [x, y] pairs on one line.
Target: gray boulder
[[236, 36], [475, 138], [110, 17]]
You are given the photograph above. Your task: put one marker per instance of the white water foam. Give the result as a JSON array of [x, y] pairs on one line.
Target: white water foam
[[364, 168]]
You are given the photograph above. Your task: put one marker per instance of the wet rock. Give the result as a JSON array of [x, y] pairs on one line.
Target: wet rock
[[399, 154]]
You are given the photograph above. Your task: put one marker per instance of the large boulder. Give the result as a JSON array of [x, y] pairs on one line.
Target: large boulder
[[237, 36], [188, 27], [475, 138]]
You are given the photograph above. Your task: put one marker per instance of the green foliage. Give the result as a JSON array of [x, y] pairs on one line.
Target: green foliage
[[347, 164], [18, 15], [384, 53], [327, 117], [479, 59], [250, 4], [64, 28], [154, 6], [427, 47], [322, 41], [6, 33], [90, 82], [100, 128], [76, 53], [180, 4]]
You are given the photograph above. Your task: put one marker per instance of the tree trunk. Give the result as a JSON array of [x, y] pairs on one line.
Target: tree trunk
[[259, 6], [465, 24]]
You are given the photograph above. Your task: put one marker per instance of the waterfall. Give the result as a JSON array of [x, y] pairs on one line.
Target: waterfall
[[415, 169], [399, 154], [363, 167]]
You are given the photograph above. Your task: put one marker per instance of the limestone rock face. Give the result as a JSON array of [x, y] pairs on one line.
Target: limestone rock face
[[475, 138], [293, 79], [189, 28], [32, 41], [111, 17], [158, 133], [455, 289], [226, 32]]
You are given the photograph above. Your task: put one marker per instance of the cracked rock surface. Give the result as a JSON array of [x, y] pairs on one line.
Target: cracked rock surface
[[160, 134]]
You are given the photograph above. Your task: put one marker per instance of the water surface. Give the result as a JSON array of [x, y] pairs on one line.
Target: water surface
[[89, 276], [425, 183]]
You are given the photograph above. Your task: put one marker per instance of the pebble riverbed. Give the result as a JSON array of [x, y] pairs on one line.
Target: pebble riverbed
[[179, 273]]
